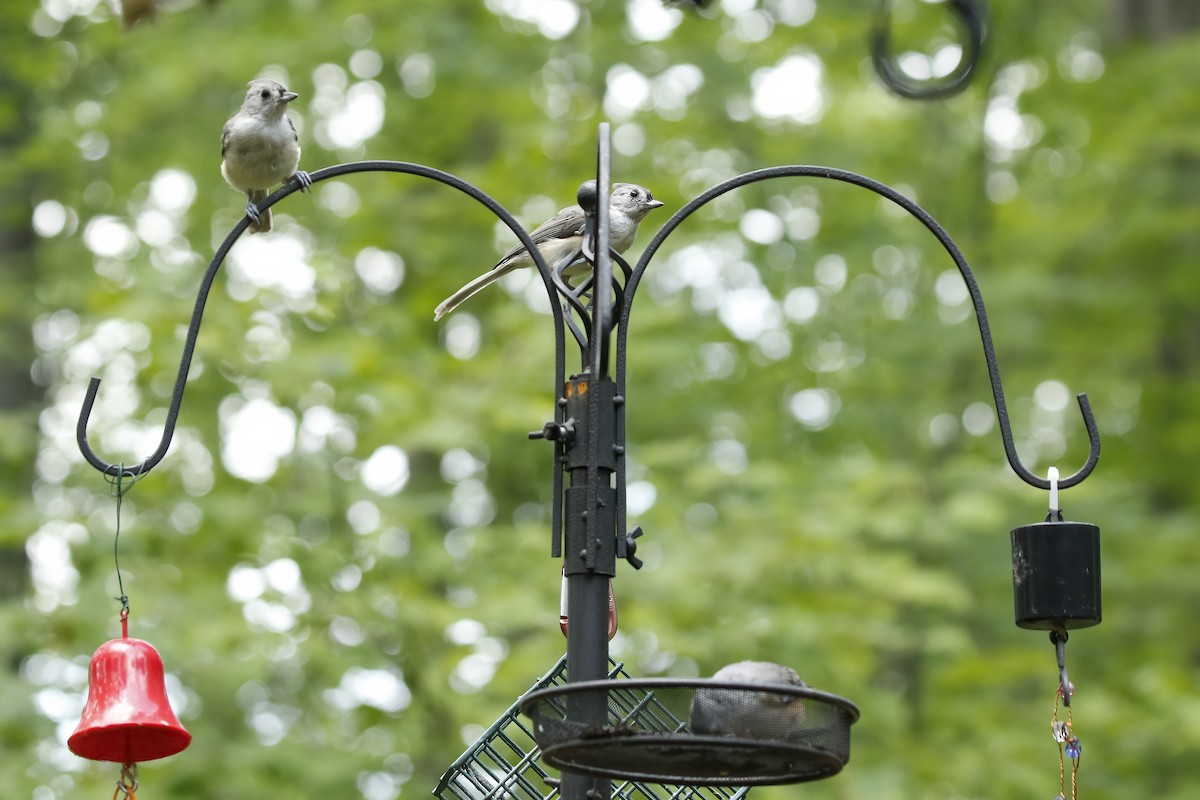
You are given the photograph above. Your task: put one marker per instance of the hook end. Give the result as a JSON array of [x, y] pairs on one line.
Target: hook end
[[85, 413], [117, 471]]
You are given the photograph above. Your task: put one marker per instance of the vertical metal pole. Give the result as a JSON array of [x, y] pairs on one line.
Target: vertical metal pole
[[589, 558], [590, 530]]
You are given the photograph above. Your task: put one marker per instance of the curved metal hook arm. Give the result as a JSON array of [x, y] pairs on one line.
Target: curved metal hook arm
[[193, 331], [985, 333]]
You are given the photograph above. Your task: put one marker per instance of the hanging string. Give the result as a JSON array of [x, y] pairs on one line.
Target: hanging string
[[119, 485], [1069, 748]]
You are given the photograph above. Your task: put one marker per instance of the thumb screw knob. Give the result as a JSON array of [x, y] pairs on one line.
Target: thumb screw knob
[[631, 548]]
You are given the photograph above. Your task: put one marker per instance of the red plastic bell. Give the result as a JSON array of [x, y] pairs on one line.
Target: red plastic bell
[[127, 718]]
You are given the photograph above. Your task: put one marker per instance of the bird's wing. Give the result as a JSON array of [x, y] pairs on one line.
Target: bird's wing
[[567, 222], [292, 125], [225, 136]]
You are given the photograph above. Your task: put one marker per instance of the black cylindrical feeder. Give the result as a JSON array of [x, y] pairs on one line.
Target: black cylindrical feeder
[[1056, 575]]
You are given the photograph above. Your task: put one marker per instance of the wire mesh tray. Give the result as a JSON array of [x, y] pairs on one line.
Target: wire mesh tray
[[692, 732], [505, 763]]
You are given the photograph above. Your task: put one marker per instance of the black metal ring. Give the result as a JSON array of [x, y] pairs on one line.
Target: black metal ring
[[972, 14]]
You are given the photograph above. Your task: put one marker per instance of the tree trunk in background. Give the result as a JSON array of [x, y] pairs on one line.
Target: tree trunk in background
[[20, 398], [1155, 20]]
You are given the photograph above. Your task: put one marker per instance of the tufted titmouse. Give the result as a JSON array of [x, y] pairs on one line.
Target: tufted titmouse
[[260, 148], [558, 236], [747, 714]]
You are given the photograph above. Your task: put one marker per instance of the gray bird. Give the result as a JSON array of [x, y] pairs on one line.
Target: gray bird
[[260, 148], [746, 713], [558, 236]]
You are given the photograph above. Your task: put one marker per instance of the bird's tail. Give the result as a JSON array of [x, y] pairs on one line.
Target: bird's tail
[[455, 300], [263, 223]]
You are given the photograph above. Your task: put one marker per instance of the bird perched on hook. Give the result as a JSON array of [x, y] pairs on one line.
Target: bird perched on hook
[[260, 148], [747, 713], [558, 236]]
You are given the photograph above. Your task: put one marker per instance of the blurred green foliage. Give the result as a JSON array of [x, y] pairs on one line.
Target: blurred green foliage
[[811, 452]]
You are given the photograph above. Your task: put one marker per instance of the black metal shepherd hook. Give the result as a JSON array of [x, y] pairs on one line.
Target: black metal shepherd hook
[[605, 317], [588, 431], [971, 14]]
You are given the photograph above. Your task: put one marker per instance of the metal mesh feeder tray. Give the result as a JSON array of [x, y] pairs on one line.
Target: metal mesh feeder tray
[[692, 732], [505, 763]]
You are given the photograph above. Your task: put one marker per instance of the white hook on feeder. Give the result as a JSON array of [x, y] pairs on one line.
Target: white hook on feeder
[[1055, 514]]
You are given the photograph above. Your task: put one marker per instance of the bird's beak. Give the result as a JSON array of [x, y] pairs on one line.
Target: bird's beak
[[654, 204], [289, 96]]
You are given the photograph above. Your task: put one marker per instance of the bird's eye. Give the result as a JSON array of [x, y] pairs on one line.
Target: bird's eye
[[265, 94], [634, 194]]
